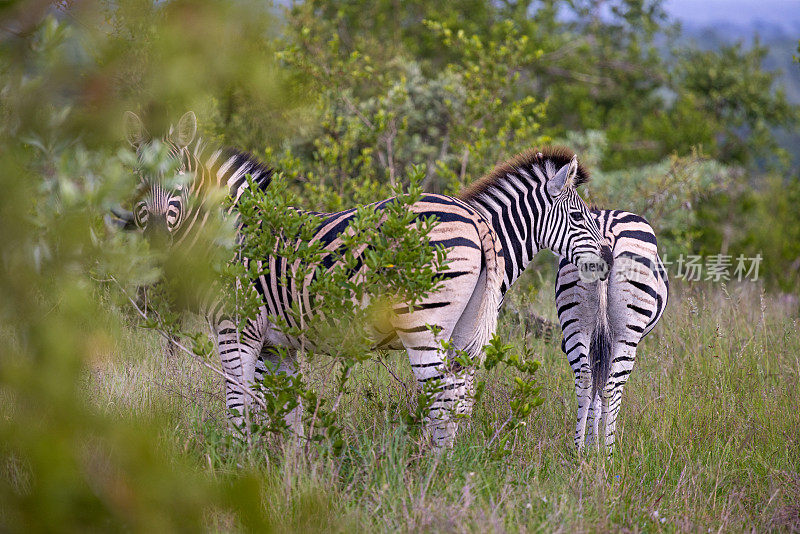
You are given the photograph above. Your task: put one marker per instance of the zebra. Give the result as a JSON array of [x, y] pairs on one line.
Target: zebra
[[603, 321], [490, 233]]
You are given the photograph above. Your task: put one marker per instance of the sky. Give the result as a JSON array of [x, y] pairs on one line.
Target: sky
[[785, 13]]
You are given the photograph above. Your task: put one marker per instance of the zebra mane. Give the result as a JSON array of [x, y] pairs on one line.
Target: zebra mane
[[558, 156], [234, 158]]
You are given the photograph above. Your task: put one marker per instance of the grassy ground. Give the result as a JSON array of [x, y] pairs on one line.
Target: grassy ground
[[709, 437]]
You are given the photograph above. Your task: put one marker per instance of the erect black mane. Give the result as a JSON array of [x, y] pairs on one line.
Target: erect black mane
[[557, 155]]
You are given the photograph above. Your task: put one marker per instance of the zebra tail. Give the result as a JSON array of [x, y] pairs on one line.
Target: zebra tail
[[487, 315], [600, 344]]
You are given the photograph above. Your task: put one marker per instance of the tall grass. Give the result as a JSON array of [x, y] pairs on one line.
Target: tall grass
[[708, 439]]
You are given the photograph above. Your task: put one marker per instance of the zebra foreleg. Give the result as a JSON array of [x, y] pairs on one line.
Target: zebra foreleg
[[464, 409], [274, 362], [238, 352]]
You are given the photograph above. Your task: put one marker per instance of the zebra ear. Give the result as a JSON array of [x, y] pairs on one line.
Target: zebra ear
[[119, 219], [565, 177], [135, 132], [186, 129]]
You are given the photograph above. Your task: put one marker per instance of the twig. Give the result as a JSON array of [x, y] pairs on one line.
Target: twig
[[311, 424], [380, 361], [341, 390], [497, 432], [389, 139], [191, 353], [431, 170]]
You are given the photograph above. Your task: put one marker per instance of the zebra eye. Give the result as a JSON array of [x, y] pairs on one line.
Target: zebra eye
[[140, 214], [174, 212], [576, 216]]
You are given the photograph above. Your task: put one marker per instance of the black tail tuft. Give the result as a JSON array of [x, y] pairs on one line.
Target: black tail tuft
[[600, 348]]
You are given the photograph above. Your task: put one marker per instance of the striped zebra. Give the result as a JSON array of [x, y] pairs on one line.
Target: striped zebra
[[491, 232], [604, 321]]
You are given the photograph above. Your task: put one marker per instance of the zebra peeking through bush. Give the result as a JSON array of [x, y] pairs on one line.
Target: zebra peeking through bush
[[488, 235], [604, 321]]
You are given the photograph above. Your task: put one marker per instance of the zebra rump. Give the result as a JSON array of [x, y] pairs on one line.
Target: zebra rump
[[603, 322]]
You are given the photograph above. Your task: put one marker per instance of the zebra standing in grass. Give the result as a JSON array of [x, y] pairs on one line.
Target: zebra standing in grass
[[604, 321], [490, 234]]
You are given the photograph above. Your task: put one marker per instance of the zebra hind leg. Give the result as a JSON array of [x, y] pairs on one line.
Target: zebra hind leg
[[583, 391], [621, 367], [579, 362], [276, 361], [448, 401], [447, 391], [593, 422]]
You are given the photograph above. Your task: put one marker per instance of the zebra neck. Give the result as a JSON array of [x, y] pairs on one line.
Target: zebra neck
[[511, 209]]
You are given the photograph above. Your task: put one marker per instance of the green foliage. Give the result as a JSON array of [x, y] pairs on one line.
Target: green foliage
[[399, 264], [214, 57], [345, 99], [599, 65], [736, 99], [757, 222], [601, 69], [524, 397], [465, 87], [377, 118], [67, 465]]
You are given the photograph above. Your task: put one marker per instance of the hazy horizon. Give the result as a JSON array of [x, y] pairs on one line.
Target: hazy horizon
[[785, 13]]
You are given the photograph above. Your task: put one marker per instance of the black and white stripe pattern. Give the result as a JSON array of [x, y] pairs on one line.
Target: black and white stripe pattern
[[604, 321], [490, 233]]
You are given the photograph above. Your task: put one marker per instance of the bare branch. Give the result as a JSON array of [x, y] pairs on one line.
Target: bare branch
[[388, 138], [431, 170], [380, 361], [464, 161], [497, 432], [352, 107]]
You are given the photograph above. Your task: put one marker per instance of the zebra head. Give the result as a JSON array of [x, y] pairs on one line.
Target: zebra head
[[163, 203], [569, 228]]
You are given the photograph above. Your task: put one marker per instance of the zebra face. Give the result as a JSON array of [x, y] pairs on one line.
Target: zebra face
[[583, 245], [570, 229], [164, 194], [161, 210]]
